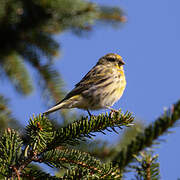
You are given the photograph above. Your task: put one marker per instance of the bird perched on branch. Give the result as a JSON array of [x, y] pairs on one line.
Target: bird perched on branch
[[100, 88]]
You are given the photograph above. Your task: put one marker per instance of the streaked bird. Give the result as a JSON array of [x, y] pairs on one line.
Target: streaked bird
[[100, 88]]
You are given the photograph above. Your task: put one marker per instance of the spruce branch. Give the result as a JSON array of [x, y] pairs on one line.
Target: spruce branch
[[42, 139], [148, 136], [146, 167], [82, 160], [49, 79], [103, 151], [75, 173], [85, 127], [10, 152], [97, 148], [38, 133], [14, 68], [111, 14], [23, 20], [38, 175], [45, 45], [128, 135], [59, 157], [6, 117], [42, 136], [79, 173]]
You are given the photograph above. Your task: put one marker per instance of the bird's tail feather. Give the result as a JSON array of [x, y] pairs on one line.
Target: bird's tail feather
[[65, 103], [54, 108]]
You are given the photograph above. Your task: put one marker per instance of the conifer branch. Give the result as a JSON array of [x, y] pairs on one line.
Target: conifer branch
[[79, 173], [15, 70], [38, 175], [16, 171], [92, 166], [146, 167], [112, 14], [59, 157], [86, 127], [39, 132], [41, 137], [102, 150], [76, 173], [45, 45], [148, 136], [23, 21], [6, 117], [10, 152], [49, 78]]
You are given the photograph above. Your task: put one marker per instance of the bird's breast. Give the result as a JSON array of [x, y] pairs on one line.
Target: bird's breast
[[120, 83]]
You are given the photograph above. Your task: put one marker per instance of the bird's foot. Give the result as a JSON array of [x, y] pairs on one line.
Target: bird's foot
[[112, 112], [91, 116]]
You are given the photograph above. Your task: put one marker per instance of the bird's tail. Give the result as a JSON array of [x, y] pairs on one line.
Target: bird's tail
[[54, 108], [66, 103]]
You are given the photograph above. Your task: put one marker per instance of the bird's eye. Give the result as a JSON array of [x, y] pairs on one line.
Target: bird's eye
[[111, 59], [119, 64]]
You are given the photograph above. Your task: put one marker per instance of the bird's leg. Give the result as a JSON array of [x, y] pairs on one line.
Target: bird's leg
[[89, 113], [112, 110]]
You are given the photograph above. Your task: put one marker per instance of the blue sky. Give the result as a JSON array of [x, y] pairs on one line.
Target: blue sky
[[150, 44]]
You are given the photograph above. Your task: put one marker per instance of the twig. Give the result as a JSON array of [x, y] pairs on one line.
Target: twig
[[17, 172]]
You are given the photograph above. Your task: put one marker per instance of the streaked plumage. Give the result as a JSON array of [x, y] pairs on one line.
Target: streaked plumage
[[100, 88]]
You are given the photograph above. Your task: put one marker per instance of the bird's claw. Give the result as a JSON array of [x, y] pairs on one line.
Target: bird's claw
[[112, 112]]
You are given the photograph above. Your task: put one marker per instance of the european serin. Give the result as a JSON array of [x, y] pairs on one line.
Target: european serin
[[100, 88]]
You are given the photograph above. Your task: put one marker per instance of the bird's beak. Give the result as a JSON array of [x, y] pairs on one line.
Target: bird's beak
[[123, 63]]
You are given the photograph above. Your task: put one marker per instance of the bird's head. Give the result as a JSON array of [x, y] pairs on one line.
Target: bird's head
[[111, 58]]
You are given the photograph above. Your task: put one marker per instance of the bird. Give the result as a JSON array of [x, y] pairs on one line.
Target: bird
[[100, 88]]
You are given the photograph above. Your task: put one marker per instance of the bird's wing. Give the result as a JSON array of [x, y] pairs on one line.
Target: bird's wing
[[97, 75]]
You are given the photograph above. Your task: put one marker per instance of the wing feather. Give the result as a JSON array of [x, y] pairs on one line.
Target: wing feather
[[98, 74]]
